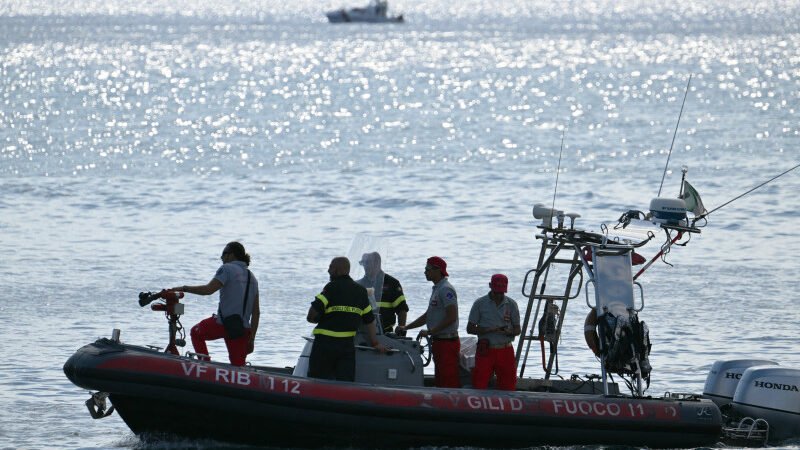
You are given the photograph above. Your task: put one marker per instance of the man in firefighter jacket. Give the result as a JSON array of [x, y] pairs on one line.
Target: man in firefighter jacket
[[387, 290], [338, 311]]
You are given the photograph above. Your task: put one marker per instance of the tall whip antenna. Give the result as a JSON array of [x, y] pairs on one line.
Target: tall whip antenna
[[751, 190], [558, 169], [674, 134]]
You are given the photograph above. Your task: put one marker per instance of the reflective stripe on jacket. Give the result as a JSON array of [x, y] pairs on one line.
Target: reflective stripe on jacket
[[343, 305]]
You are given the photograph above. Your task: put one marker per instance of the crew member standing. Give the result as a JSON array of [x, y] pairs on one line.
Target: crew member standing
[[441, 319], [338, 311], [388, 292], [495, 319], [238, 298]]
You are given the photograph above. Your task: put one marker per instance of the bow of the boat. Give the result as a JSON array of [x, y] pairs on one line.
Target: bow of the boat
[[80, 367]]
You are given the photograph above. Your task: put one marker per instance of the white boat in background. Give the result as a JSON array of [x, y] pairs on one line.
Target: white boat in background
[[375, 12]]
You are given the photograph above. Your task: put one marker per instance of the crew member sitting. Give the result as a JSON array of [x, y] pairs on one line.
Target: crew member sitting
[[495, 319]]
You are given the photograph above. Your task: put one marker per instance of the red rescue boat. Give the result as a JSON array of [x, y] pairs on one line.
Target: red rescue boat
[[160, 393], [392, 403]]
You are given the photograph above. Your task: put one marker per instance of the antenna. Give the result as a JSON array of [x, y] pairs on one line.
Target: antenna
[[673, 135], [558, 169], [751, 190]]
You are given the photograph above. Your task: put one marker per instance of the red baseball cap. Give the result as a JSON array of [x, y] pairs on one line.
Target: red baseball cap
[[499, 283], [439, 263]]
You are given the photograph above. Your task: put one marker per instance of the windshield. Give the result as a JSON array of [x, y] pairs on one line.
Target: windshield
[[366, 255]]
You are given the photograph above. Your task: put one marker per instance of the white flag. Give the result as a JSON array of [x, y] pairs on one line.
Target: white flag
[[692, 199]]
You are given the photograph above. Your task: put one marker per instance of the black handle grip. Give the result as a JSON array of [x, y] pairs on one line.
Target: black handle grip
[[145, 298]]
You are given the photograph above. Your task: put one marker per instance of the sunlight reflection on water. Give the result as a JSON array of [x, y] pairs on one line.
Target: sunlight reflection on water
[[136, 138]]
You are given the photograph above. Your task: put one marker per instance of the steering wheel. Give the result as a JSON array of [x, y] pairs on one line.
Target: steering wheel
[[425, 349]]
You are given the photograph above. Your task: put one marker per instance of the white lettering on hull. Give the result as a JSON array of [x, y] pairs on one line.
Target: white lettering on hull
[[494, 403], [220, 374], [589, 408], [192, 367]]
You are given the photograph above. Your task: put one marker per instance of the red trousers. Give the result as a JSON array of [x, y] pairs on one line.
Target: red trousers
[[501, 362], [209, 330], [445, 359]]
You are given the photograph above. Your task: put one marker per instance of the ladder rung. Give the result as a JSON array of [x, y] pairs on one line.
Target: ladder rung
[[548, 297]]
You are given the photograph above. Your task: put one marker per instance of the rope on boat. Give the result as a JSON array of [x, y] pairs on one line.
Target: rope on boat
[[749, 191]]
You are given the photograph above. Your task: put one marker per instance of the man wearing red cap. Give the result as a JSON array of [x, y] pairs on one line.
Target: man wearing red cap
[[495, 319], [441, 319]]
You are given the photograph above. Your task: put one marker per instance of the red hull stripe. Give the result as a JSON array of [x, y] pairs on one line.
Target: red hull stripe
[[425, 398]]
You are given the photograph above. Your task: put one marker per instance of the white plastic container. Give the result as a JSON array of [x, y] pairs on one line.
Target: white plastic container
[[670, 211], [301, 368]]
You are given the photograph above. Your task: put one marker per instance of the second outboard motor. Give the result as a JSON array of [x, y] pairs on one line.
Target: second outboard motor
[[771, 393], [724, 376]]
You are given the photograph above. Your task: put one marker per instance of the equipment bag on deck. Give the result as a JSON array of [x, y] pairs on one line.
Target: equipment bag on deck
[[626, 344]]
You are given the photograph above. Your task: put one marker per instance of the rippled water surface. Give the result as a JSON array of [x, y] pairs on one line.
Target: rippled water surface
[[137, 138]]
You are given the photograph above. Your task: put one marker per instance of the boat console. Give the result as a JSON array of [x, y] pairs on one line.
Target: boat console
[[402, 365]]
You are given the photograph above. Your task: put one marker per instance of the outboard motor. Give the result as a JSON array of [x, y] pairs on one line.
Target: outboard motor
[[771, 393], [724, 376]]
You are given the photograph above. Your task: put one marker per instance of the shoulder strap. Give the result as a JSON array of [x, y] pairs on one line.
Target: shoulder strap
[[246, 292]]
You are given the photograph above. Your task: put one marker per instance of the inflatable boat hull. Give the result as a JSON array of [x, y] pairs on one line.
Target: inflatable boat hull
[[155, 392]]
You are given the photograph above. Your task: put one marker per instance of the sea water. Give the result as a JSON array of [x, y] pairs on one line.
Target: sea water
[[137, 138]]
